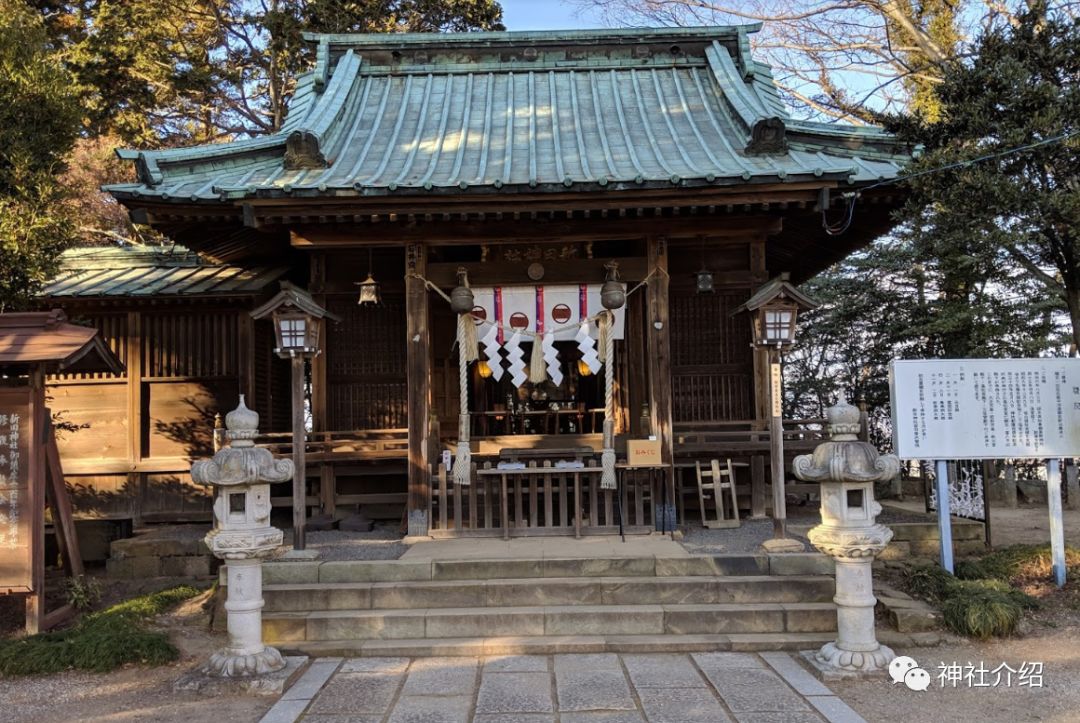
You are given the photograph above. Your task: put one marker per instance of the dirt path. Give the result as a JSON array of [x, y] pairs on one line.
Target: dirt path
[[1058, 700]]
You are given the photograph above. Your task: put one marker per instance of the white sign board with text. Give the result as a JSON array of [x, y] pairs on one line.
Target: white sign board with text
[[985, 408]]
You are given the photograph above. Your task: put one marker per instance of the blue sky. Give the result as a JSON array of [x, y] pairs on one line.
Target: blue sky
[[547, 15]]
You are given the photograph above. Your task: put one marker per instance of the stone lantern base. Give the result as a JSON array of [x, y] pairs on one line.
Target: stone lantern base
[[832, 663]]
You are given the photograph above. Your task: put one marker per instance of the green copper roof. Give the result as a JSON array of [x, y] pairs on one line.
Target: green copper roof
[[502, 112], [138, 271]]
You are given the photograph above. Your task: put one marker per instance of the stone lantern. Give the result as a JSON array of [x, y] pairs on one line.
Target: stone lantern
[[241, 475], [847, 470]]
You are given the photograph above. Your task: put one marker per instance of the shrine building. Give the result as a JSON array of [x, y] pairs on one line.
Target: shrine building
[[531, 167]]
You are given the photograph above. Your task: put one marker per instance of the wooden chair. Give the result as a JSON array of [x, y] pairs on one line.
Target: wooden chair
[[715, 481]]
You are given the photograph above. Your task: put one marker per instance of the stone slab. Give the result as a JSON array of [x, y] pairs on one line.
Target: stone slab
[[835, 710], [681, 705], [195, 681], [589, 661], [600, 567], [380, 666], [801, 563], [602, 716], [542, 592], [502, 693], [516, 664], [399, 595], [726, 661], [712, 565], [723, 619], [365, 625], [655, 591], [284, 573], [514, 718], [485, 569], [299, 555], [791, 716], [313, 679], [584, 690], [662, 671], [284, 628], [285, 711], [795, 674], [357, 693], [604, 620], [431, 709], [484, 622], [314, 596], [750, 689], [810, 617], [441, 677], [374, 571]]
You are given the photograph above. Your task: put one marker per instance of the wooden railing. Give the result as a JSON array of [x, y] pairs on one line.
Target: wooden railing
[[541, 499], [342, 446]]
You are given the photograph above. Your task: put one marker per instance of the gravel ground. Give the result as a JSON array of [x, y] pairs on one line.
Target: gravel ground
[[750, 534], [382, 543]]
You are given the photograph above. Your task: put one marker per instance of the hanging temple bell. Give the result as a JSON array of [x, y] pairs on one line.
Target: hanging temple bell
[[612, 293], [461, 298]]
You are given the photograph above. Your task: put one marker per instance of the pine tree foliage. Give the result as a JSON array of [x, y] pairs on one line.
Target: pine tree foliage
[[39, 121]]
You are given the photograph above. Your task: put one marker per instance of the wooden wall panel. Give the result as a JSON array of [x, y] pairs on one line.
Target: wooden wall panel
[[114, 495], [166, 496], [712, 358], [92, 419], [366, 364], [180, 416]]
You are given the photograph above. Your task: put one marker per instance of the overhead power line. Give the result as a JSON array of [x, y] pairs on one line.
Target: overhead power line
[[836, 229]]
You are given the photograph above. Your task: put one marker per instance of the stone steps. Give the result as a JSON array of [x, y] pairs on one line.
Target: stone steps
[[548, 605], [547, 591], [550, 620], [405, 570]]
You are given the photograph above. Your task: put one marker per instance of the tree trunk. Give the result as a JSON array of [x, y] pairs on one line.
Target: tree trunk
[[1072, 300]]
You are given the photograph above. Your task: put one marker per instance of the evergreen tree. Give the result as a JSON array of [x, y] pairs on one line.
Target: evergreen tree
[[39, 121]]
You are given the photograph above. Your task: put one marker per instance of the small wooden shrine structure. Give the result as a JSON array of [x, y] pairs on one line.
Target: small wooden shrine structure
[[530, 161], [32, 345]]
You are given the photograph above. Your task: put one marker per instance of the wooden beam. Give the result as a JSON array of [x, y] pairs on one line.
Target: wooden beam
[[455, 233], [418, 365], [299, 483], [658, 343], [35, 601], [555, 272], [317, 287]]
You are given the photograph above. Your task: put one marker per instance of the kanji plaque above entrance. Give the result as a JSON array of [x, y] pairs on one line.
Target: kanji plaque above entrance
[[985, 408]]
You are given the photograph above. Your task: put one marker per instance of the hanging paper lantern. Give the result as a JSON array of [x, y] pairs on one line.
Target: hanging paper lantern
[[583, 368], [484, 369]]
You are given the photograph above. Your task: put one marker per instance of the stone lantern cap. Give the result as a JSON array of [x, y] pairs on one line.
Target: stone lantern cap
[[242, 463], [844, 458]]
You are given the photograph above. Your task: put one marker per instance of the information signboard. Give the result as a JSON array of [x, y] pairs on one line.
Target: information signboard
[[985, 408], [15, 497]]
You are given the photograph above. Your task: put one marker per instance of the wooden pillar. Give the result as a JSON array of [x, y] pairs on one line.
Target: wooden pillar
[[317, 287], [299, 487], [658, 337], [35, 601], [776, 446], [418, 363], [134, 369]]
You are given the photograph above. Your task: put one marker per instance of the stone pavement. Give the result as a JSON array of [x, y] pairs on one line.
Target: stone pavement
[[600, 688]]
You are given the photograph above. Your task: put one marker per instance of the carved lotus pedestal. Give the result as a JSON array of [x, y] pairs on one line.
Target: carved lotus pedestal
[[847, 469]]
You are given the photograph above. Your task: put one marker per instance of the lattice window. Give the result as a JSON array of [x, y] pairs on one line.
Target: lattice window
[[190, 345], [704, 333]]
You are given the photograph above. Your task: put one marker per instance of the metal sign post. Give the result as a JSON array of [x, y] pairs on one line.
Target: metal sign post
[[941, 484], [1057, 530]]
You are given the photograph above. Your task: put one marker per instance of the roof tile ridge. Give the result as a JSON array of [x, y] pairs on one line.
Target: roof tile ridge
[[303, 146]]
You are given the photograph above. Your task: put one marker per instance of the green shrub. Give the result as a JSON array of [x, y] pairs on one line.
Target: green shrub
[[928, 582], [100, 642], [82, 592], [1015, 561], [982, 609]]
